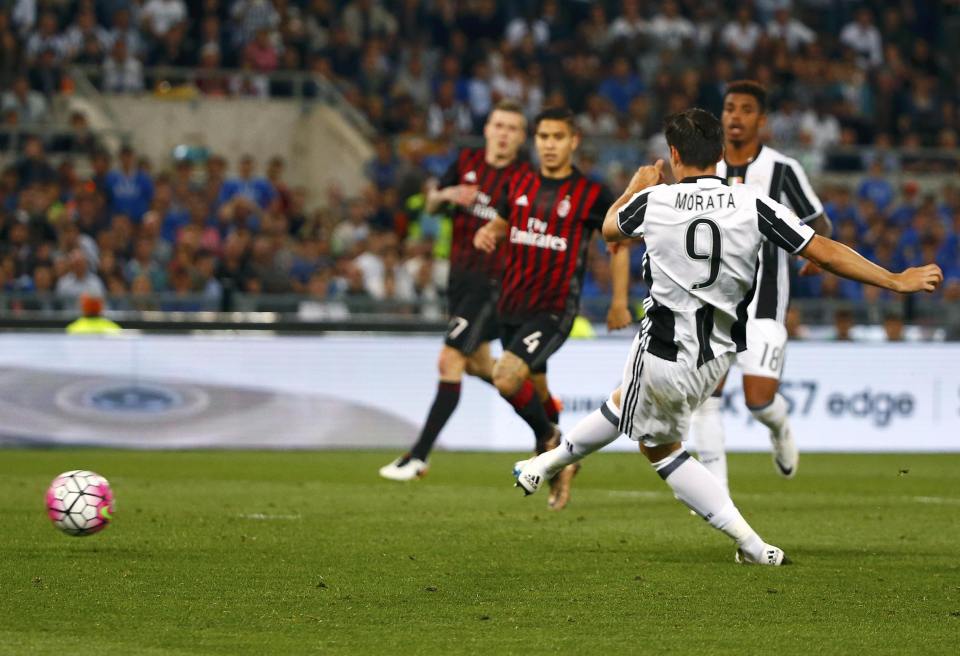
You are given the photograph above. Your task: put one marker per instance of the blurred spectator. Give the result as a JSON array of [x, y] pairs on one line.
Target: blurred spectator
[[794, 34], [670, 29], [785, 123], [383, 170], [275, 170], [130, 190], [92, 321], [863, 37], [622, 86], [446, 112], [45, 75], [29, 106], [208, 81], [256, 190], [159, 16], [261, 52], [122, 30], [597, 120], [79, 279], [251, 16], [80, 139], [819, 127], [172, 48], [45, 38], [85, 27], [365, 19], [893, 327], [318, 305], [414, 81], [742, 35], [875, 187], [628, 28], [33, 168], [122, 72], [843, 325], [794, 324]]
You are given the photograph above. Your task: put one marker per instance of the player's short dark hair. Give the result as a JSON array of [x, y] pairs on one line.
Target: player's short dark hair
[[749, 88], [564, 114], [697, 135]]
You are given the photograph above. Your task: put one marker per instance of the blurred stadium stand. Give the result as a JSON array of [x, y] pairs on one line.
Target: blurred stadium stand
[[346, 107]]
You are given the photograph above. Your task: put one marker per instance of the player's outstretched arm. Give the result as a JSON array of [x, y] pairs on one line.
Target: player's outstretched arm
[[463, 195], [646, 176], [836, 258], [487, 237], [618, 316], [822, 225]]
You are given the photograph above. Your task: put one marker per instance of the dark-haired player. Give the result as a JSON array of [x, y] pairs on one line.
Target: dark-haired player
[[473, 185], [749, 162], [547, 219], [703, 239]]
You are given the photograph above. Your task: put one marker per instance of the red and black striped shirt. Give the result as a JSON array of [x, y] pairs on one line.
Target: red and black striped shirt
[[551, 223], [471, 168]]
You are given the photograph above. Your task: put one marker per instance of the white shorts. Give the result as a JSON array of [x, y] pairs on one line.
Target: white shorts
[[766, 349], [658, 396]]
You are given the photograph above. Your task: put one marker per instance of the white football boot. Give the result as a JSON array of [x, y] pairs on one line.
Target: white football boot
[[531, 477], [770, 555], [519, 465], [404, 468], [786, 457]]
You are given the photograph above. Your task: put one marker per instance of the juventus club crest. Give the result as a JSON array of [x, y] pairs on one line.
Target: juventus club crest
[[563, 208]]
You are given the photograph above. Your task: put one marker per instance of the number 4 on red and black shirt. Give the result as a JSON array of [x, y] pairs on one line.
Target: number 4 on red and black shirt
[[551, 222]]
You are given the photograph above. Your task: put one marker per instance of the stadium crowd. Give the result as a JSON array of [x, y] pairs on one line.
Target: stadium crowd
[[425, 73]]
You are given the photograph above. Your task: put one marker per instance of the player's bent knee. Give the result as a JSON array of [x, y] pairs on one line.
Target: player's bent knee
[[480, 365], [659, 452], [508, 375], [451, 364], [759, 392]]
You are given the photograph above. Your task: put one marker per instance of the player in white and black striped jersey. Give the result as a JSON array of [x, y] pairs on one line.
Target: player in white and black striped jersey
[[758, 166], [703, 241]]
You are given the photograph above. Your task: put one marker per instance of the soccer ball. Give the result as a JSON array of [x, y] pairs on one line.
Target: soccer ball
[[80, 502]]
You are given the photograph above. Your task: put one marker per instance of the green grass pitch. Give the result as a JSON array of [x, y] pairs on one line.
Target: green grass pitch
[[303, 553]]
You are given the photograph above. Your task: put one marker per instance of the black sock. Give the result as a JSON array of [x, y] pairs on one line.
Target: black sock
[[530, 409], [552, 409], [445, 402]]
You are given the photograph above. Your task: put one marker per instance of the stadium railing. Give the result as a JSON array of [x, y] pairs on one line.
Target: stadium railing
[[295, 313], [184, 83]]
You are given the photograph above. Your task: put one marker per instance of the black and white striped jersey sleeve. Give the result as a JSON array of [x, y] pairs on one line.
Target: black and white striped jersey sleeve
[[799, 194], [781, 226], [630, 216]]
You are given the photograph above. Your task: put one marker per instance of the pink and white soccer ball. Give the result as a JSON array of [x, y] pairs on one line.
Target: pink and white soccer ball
[[80, 502]]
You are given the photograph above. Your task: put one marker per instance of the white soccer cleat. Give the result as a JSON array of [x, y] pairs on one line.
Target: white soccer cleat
[[519, 465], [786, 457], [404, 468], [770, 555], [531, 477]]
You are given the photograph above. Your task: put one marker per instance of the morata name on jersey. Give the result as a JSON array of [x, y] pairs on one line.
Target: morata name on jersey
[[536, 235], [699, 202]]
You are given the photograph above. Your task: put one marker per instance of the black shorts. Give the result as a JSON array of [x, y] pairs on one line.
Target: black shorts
[[536, 338], [473, 315]]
